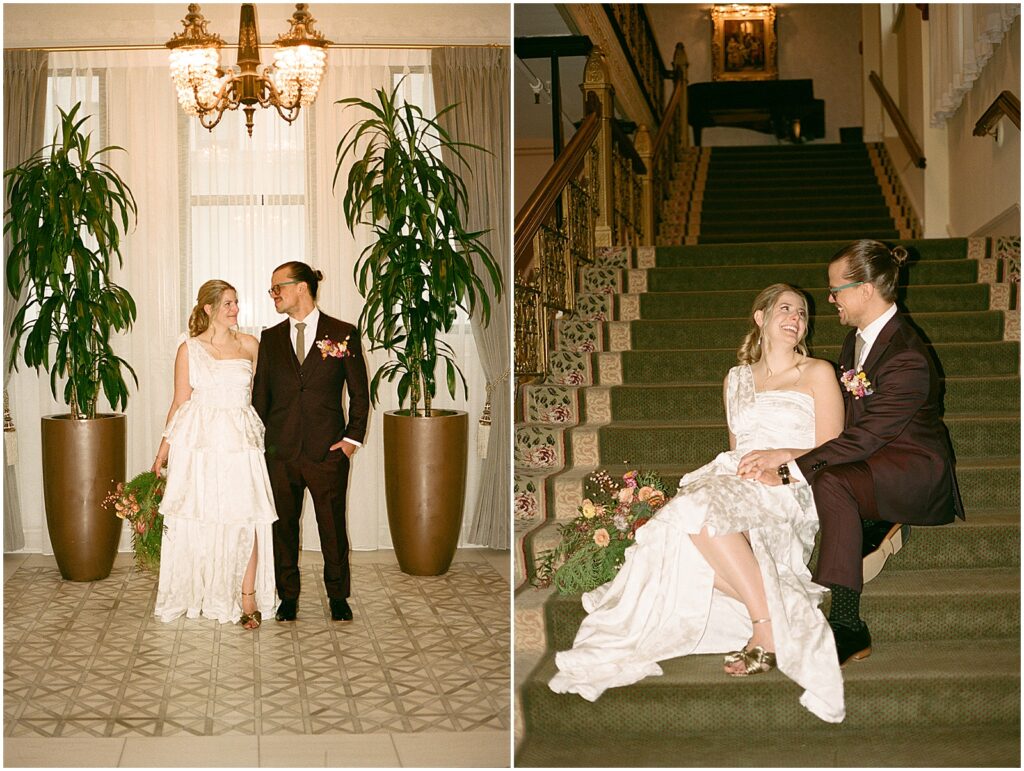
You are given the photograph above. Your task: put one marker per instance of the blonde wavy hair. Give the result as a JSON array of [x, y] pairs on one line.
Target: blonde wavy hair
[[750, 348], [209, 294]]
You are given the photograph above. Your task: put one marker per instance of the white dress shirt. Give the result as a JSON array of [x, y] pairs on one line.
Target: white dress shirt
[[870, 333]]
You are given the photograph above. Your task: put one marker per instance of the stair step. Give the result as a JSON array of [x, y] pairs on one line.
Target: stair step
[[687, 279], [968, 326], [779, 209], [683, 403], [901, 686], [817, 252], [710, 365], [899, 605], [801, 235], [805, 221], [985, 483], [821, 746], [755, 202], [765, 189], [737, 303], [648, 443]]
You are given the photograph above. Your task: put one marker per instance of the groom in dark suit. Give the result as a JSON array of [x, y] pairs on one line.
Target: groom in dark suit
[[304, 364], [893, 462]]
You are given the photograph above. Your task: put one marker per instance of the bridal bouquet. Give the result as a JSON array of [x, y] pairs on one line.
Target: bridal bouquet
[[138, 501], [593, 544]]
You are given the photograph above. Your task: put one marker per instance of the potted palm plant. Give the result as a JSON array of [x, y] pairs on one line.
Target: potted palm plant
[[415, 276], [66, 212]]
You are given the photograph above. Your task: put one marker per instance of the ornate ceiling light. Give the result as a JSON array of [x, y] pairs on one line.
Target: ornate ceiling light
[[206, 90]]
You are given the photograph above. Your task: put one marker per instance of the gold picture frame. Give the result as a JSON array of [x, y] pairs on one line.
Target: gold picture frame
[[743, 43]]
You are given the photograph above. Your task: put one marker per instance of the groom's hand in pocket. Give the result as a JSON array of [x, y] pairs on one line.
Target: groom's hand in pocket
[[346, 447]]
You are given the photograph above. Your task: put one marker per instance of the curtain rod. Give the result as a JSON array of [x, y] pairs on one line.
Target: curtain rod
[[162, 47]]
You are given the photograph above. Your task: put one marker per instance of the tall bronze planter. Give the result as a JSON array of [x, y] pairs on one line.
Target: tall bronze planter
[[83, 460], [425, 483]]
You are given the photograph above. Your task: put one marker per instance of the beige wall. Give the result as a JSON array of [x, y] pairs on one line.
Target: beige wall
[[984, 179], [38, 24], [532, 160], [816, 40]]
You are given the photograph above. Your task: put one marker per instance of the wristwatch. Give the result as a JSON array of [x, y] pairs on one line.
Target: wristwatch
[[783, 472]]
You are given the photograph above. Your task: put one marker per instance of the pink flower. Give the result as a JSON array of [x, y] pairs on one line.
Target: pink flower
[[626, 495], [601, 537], [630, 478], [644, 493], [140, 527]]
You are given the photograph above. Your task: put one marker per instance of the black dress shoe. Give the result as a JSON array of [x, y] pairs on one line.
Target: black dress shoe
[[340, 611], [287, 610], [881, 541], [851, 643]]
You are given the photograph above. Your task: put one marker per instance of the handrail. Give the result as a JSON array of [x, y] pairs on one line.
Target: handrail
[[673, 104], [1005, 104], [545, 195], [627, 149], [902, 128]]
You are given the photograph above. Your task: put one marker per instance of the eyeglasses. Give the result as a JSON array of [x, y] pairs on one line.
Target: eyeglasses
[[275, 290], [834, 290]]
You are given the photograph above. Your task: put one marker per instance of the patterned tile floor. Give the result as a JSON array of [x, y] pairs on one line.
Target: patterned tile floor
[[425, 656]]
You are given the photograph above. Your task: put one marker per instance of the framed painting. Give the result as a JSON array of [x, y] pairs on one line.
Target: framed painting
[[743, 44]]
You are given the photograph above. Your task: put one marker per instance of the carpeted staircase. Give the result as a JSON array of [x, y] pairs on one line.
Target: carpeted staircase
[[786, 193], [636, 382]]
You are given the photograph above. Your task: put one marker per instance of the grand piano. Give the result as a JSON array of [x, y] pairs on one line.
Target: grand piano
[[785, 108]]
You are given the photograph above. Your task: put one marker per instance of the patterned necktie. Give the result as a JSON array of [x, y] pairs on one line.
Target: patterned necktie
[[858, 346], [300, 341]]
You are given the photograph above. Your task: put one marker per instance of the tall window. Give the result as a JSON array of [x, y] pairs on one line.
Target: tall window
[[244, 207]]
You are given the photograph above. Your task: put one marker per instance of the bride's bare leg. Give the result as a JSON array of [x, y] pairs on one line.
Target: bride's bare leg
[[249, 586], [733, 561]]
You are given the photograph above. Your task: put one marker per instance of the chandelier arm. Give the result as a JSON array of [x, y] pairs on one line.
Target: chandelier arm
[[290, 114], [225, 98]]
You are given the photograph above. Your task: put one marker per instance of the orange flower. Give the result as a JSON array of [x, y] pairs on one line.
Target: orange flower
[[601, 537]]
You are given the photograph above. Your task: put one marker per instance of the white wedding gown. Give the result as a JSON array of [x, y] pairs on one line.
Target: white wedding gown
[[218, 497], [662, 603]]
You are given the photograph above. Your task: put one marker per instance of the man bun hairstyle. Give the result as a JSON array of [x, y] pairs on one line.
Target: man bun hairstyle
[[750, 349], [209, 294], [874, 262], [300, 271]]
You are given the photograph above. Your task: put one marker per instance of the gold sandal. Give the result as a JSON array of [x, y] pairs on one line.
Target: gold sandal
[[755, 661], [734, 656], [246, 618]]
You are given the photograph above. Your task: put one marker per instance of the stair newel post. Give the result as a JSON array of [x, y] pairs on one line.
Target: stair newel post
[[597, 80], [642, 143]]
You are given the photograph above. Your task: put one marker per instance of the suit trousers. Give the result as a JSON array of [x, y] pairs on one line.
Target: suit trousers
[[844, 494], [327, 482]]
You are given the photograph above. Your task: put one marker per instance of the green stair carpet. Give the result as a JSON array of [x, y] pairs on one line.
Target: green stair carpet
[[789, 194], [942, 687]]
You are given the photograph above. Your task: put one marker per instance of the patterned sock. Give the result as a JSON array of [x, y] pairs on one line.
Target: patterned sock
[[845, 608]]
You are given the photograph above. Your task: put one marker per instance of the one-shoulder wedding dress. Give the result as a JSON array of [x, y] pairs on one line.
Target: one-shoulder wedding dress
[[218, 500], [662, 604]]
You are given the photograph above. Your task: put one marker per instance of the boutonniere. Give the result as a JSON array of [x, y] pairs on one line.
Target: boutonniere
[[856, 383], [335, 350]]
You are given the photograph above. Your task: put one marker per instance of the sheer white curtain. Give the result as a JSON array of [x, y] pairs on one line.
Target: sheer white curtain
[[128, 94], [358, 72], [962, 38], [223, 206]]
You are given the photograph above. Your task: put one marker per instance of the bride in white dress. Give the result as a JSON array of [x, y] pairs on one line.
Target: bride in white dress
[[216, 556], [722, 567]]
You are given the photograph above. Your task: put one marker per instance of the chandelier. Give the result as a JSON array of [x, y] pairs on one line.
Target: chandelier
[[206, 90]]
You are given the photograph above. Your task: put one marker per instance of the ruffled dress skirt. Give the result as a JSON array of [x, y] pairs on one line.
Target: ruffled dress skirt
[[218, 502]]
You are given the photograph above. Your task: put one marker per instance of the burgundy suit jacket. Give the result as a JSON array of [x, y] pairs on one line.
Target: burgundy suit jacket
[[301, 407], [897, 430]]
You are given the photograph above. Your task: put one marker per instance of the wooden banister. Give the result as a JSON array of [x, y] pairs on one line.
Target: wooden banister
[[1005, 104], [679, 76], [540, 203], [902, 128]]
